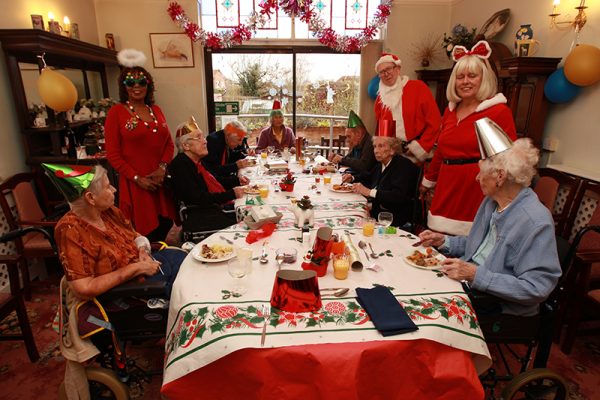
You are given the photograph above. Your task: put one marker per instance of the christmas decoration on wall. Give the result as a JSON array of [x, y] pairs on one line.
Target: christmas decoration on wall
[[303, 9]]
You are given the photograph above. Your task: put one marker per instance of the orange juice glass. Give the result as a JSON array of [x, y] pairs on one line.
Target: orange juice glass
[[327, 179], [302, 161], [368, 226], [263, 155], [264, 191], [341, 266]]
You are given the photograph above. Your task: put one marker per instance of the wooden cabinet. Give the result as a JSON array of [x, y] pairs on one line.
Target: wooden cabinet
[[522, 80], [84, 63]]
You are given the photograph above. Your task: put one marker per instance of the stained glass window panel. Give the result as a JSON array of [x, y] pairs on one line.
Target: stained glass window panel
[[324, 10], [228, 13], [356, 14], [271, 23]]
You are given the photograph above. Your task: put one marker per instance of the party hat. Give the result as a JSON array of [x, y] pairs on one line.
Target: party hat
[[492, 139], [354, 120], [235, 128], [276, 108], [187, 127], [386, 128], [70, 180]]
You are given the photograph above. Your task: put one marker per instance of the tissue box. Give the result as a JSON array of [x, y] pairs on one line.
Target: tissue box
[[259, 213]]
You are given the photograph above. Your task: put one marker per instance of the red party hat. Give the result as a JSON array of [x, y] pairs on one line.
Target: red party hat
[[386, 128]]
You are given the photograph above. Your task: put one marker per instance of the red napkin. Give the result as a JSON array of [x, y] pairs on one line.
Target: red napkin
[[265, 231]]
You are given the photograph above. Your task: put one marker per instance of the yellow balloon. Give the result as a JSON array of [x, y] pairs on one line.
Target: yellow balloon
[[582, 66], [56, 90]]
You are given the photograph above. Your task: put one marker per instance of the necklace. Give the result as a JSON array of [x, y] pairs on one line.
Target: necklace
[[146, 124]]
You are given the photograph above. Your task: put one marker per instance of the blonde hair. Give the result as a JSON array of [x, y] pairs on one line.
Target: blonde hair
[[489, 83], [519, 162]]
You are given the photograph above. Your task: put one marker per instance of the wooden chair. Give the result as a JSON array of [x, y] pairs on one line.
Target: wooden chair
[[19, 187], [15, 302], [335, 146], [547, 188]]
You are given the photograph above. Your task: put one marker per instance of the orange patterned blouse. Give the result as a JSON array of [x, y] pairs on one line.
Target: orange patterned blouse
[[86, 251]]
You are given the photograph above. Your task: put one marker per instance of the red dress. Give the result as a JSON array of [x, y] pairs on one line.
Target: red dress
[[420, 115], [457, 193], [138, 151]]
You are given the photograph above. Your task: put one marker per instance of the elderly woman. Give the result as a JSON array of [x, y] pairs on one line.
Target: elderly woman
[[277, 135], [472, 95], [139, 147], [391, 184], [205, 195], [511, 249], [225, 153]]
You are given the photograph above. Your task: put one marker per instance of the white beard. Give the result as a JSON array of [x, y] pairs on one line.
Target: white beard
[[391, 96]]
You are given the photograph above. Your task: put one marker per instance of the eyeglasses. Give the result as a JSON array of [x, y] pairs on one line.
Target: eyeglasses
[[386, 71], [130, 81]]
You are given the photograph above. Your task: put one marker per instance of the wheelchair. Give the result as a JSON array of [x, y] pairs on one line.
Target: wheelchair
[[131, 318]]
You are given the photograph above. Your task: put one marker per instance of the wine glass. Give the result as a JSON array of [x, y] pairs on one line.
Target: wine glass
[[385, 219], [237, 269], [270, 150]]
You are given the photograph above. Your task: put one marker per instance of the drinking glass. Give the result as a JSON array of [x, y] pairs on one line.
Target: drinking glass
[[385, 219], [341, 265], [368, 226], [327, 179], [263, 191], [237, 269]]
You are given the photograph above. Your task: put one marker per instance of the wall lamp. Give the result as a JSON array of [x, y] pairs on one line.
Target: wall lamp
[[577, 23]]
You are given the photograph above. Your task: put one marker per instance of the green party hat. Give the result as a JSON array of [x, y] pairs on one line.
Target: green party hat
[[70, 180], [354, 120]]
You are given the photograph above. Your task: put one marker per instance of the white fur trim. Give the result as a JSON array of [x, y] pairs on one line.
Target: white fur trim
[[448, 225], [131, 58], [388, 58], [427, 183], [417, 150], [492, 101]]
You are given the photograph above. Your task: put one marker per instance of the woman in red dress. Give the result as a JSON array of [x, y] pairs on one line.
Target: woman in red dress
[[139, 147], [471, 95]]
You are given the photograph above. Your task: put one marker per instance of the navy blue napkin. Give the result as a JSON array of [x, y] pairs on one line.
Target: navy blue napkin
[[385, 311]]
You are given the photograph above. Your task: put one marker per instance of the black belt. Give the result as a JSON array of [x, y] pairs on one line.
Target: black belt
[[461, 161]]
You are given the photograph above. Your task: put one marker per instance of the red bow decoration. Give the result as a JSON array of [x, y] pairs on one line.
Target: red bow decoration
[[481, 49]]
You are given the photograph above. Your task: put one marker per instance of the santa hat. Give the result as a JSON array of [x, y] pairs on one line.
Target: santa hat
[[70, 180], [276, 108], [386, 128], [387, 58], [187, 127]]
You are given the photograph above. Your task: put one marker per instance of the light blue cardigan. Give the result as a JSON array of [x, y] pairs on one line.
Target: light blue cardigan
[[523, 266]]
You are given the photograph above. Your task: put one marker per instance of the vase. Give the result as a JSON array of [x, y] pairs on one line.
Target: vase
[[287, 187], [523, 33]]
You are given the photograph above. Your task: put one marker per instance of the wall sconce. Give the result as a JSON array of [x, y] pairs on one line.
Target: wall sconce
[[577, 23]]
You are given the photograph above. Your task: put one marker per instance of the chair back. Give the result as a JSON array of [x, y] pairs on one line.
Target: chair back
[[557, 191], [584, 212], [546, 189]]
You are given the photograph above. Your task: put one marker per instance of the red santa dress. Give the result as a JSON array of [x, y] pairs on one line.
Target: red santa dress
[[454, 166], [411, 104], [133, 149]]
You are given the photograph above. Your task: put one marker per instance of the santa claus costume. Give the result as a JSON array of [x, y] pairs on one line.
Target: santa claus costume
[[454, 167], [411, 104]]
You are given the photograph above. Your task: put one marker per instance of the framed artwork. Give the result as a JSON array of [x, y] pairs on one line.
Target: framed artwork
[[74, 30], [172, 50], [37, 21]]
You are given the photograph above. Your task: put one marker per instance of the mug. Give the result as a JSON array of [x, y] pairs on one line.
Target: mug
[[527, 48]]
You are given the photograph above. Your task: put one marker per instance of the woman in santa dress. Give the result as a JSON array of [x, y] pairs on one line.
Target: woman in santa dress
[[139, 147], [471, 94]]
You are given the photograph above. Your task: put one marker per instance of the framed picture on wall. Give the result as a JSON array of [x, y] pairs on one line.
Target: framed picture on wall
[[37, 21], [172, 50]]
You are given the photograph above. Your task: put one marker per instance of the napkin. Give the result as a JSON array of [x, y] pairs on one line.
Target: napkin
[[265, 231], [384, 310]]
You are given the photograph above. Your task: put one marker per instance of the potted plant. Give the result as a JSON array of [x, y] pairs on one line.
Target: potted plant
[[287, 182], [460, 36]]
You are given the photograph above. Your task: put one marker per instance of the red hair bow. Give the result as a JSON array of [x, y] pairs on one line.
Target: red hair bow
[[481, 49]]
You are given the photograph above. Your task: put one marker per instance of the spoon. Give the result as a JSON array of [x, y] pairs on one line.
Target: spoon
[[373, 254], [338, 292], [263, 255], [279, 258], [363, 246]]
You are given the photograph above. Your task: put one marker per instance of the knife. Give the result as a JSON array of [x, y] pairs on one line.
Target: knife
[[225, 239]]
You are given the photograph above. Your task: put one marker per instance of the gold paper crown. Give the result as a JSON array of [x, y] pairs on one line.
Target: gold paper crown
[[188, 127]]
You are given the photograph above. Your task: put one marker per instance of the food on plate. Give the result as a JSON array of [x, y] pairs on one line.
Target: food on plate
[[252, 189], [344, 187], [427, 259], [215, 251], [324, 167]]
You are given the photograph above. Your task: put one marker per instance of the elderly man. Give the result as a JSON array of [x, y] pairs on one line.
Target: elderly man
[[360, 158], [277, 135], [391, 184], [197, 188], [409, 103], [225, 154]]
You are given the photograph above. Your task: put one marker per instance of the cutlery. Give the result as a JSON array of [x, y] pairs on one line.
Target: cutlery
[[418, 243], [225, 239], [373, 254], [266, 312], [263, 254], [363, 246], [337, 292], [279, 258]]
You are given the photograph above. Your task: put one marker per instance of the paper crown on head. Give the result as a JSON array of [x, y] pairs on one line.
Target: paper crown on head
[[386, 128], [354, 120], [491, 138], [187, 127], [70, 180], [131, 58], [387, 58], [276, 108], [233, 128]]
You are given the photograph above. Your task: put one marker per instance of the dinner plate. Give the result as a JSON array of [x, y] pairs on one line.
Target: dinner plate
[[249, 190], [197, 256], [340, 191], [439, 257]]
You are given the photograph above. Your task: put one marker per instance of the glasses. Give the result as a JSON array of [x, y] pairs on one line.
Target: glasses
[[386, 71], [130, 82]]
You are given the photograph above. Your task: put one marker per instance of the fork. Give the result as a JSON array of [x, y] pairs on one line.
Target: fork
[[267, 315], [225, 239]]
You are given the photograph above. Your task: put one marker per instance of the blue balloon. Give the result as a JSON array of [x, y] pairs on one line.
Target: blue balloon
[[558, 89], [373, 87]]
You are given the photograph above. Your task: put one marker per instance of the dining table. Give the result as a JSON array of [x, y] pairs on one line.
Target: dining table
[[215, 347]]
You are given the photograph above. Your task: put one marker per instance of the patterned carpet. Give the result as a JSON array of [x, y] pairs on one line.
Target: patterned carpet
[[21, 379]]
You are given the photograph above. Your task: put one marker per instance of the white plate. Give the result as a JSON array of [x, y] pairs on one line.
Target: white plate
[[339, 191], [196, 254], [440, 257]]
